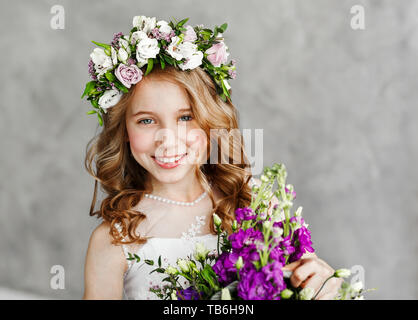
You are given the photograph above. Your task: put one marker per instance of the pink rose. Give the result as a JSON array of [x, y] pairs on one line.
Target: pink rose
[[217, 54], [190, 34], [128, 75]]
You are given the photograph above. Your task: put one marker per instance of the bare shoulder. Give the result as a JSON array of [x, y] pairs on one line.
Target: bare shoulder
[[104, 266]]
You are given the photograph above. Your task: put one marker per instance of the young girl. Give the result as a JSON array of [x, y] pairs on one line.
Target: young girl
[[152, 160]]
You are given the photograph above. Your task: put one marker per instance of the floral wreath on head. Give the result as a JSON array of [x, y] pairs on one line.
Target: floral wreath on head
[[115, 67]]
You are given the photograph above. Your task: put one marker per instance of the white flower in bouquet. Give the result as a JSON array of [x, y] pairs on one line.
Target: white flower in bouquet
[[201, 252], [109, 99], [144, 23], [183, 265], [102, 62], [164, 26]]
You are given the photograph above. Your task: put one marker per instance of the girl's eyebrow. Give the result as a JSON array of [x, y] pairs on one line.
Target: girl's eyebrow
[[150, 112]]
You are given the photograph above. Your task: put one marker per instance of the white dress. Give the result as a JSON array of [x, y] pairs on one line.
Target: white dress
[[182, 227]]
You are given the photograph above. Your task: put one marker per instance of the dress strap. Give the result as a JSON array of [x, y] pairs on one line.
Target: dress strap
[[124, 247]]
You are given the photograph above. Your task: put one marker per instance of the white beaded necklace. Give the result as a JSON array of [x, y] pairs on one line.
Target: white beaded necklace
[[180, 203]]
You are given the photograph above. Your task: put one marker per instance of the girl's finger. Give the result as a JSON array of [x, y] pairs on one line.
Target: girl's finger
[[315, 282], [303, 272]]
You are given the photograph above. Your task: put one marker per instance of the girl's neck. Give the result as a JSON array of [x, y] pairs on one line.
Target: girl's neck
[[186, 190]]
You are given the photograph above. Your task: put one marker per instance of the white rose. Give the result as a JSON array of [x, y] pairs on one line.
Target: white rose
[[144, 23], [147, 48], [174, 49], [122, 55], [193, 61], [109, 99], [164, 27], [138, 36], [102, 62]]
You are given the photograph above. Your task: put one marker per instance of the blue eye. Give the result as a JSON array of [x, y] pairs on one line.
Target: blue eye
[[187, 116], [141, 121]]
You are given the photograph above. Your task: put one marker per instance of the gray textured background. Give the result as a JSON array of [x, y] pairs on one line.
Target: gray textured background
[[338, 107]]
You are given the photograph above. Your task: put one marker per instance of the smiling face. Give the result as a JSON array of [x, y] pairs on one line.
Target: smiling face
[[161, 128]]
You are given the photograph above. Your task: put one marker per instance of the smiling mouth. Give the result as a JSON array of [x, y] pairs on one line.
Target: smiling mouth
[[169, 160]]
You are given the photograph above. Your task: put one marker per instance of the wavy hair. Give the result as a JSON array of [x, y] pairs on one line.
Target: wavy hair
[[123, 180]]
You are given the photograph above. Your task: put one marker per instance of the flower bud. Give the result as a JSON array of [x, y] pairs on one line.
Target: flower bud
[[239, 263], [184, 266], [201, 252], [170, 270], [217, 221], [342, 273], [306, 293], [173, 296], [234, 226], [225, 294], [264, 178], [286, 294]]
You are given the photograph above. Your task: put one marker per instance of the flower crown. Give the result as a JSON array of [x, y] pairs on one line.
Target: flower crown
[[115, 67]]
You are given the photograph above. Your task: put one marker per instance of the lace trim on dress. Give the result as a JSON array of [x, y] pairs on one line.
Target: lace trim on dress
[[194, 228]]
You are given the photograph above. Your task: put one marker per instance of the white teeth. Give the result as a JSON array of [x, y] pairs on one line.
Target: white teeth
[[169, 160]]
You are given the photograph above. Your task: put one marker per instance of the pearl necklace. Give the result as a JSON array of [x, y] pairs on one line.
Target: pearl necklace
[[180, 203]]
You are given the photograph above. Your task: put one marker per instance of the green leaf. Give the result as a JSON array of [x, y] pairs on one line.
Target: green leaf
[[121, 87], [149, 262], [95, 103], [159, 261], [91, 111], [99, 116], [103, 45], [162, 63], [90, 86], [150, 65], [110, 76], [223, 27], [182, 22]]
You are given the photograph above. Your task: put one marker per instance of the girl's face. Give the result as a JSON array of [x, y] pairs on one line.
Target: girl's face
[[161, 128]]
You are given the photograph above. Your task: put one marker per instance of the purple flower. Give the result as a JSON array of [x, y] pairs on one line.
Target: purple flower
[[293, 192], [217, 54], [128, 75], [244, 214], [225, 268], [91, 70], [245, 237], [232, 73], [261, 285], [188, 294], [302, 243], [115, 41]]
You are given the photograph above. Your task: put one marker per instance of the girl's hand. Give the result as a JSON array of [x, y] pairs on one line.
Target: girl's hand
[[312, 272]]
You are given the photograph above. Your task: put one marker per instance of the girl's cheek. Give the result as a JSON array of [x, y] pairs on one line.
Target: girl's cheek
[[141, 142]]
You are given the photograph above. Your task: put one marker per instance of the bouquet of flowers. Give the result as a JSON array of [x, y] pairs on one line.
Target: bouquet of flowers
[[248, 262]]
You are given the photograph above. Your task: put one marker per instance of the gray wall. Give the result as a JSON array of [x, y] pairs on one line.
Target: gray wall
[[337, 106]]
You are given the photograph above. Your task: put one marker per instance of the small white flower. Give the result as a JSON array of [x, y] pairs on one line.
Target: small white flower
[[183, 264], [192, 61], [164, 27], [201, 252], [122, 55], [173, 296], [342, 273], [109, 99], [147, 48], [123, 43], [138, 36], [144, 23], [102, 62], [174, 48], [171, 270]]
